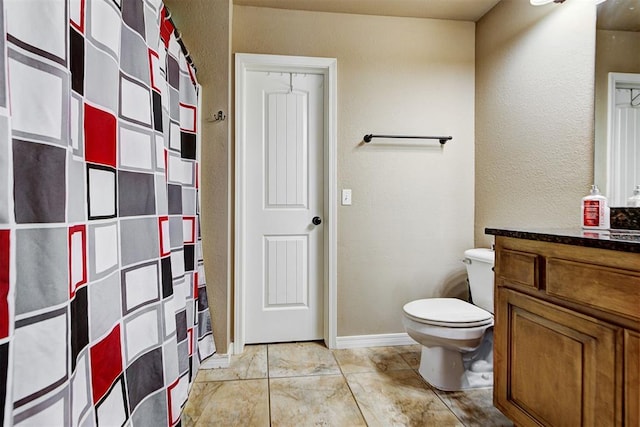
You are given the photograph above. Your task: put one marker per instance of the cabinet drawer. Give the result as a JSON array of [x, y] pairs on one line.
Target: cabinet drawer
[[607, 289], [519, 268]]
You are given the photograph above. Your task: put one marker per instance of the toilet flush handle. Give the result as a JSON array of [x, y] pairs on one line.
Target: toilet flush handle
[[466, 261]]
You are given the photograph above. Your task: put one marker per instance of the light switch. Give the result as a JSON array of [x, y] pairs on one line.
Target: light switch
[[346, 197]]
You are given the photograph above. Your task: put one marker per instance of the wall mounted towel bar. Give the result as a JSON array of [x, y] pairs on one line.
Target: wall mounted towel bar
[[442, 139]]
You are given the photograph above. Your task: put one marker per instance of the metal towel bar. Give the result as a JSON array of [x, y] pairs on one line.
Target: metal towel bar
[[442, 139]]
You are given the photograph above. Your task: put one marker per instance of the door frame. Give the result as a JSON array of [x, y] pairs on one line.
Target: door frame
[[614, 79], [280, 63]]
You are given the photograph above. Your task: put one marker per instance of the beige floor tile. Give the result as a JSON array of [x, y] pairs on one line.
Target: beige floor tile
[[399, 398], [474, 407], [251, 364], [411, 354], [195, 404], [307, 389], [370, 359], [301, 359], [323, 400], [229, 403]]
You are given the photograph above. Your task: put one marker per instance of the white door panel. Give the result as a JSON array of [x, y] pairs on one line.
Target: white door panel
[[286, 146], [286, 277], [284, 188]]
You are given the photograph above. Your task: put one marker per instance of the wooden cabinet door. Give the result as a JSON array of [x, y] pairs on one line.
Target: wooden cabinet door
[[632, 378], [552, 366]]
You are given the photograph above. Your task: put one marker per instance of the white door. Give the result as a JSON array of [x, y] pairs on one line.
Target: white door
[[284, 193], [623, 141], [626, 145]]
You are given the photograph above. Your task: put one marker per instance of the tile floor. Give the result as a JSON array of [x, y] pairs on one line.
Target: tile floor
[[306, 384]]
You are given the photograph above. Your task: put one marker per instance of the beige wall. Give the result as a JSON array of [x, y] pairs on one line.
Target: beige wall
[[534, 114], [206, 30], [412, 212], [616, 51]]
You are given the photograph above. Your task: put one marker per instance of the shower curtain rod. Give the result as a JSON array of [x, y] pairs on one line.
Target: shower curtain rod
[[442, 139], [186, 53]]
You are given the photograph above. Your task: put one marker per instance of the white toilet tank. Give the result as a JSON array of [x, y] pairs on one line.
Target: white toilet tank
[[480, 263]]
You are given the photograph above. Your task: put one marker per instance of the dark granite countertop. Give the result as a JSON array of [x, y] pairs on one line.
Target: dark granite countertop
[[617, 240]]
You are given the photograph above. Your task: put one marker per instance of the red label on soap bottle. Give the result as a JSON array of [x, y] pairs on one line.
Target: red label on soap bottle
[[591, 214]]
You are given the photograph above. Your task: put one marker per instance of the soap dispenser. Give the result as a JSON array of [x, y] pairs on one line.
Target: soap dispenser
[[634, 201], [595, 210]]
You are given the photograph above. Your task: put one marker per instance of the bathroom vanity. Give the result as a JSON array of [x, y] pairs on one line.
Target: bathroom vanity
[[567, 327]]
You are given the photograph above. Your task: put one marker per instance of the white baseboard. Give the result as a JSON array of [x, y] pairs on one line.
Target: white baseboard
[[216, 361], [380, 340]]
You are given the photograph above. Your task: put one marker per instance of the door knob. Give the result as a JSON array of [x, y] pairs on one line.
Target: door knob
[[316, 220]]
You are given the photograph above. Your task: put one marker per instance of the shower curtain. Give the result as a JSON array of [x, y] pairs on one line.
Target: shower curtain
[[103, 307]]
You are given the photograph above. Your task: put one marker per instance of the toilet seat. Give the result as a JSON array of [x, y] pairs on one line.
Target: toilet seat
[[447, 312]]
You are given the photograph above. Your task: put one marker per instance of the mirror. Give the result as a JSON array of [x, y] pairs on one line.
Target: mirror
[[617, 153]]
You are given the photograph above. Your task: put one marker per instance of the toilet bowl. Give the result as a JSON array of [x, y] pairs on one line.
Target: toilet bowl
[[457, 336]]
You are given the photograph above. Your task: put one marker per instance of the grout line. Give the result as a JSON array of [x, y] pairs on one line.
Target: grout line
[[437, 393], [447, 406], [309, 375], [349, 387], [448, 403], [432, 388], [268, 385]]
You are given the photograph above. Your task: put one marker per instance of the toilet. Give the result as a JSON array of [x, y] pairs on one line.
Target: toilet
[[457, 336]]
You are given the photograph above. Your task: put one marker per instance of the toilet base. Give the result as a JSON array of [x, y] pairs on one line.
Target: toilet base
[[452, 370]]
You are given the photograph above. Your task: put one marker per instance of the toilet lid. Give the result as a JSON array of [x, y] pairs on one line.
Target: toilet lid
[[447, 311]]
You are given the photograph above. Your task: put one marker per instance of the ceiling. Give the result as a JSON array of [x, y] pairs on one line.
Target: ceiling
[[459, 10], [620, 15]]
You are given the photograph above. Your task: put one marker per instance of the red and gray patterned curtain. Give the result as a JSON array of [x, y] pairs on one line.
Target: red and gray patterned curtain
[[103, 309]]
